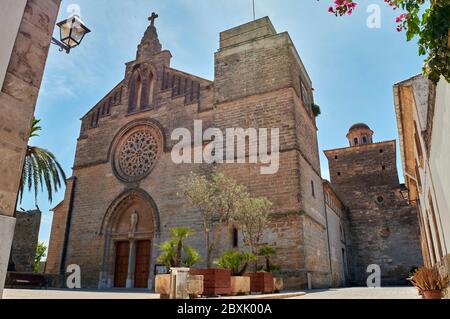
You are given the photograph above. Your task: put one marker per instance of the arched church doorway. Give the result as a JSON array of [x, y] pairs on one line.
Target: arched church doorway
[[129, 232]]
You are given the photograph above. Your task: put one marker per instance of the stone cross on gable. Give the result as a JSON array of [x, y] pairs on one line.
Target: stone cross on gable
[[152, 19]]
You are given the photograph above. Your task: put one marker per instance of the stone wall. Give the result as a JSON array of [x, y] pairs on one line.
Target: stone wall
[[26, 235]]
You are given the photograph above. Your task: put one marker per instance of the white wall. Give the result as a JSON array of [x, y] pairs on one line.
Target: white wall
[[440, 156], [11, 12]]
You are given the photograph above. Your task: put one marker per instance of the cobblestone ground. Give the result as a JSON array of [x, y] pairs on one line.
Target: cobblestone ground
[[363, 293]]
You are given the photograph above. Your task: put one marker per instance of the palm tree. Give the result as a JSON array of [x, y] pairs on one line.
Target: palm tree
[[180, 234], [40, 169]]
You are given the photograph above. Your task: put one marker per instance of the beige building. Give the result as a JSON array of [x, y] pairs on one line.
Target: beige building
[[26, 29], [423, 116]]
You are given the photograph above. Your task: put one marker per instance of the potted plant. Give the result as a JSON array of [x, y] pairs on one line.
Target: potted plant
[[216, 198], [175, 254], [429, 283], [237, 262], [268, 253]]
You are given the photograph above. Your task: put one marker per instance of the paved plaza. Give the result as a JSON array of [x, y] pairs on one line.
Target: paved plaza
[[363, 293], [344, 293]]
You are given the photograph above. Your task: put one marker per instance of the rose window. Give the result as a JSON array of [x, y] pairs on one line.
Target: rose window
[[138, 154]]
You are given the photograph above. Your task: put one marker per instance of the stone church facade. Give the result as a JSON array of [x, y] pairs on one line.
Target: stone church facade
[[121, 200]]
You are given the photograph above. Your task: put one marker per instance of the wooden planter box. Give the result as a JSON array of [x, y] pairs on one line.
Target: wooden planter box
[[261, 282], [216, 282], [240, 286]]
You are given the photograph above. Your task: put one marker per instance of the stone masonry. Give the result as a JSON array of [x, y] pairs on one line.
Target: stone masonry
[[26, 235]]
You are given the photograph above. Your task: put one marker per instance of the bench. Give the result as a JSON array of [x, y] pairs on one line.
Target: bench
[[26, 280]]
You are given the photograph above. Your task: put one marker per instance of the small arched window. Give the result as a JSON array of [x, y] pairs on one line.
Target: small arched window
[[364, 140], [355, 141], [235, 237]]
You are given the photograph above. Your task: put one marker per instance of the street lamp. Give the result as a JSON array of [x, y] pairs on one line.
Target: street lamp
[[72, 32]]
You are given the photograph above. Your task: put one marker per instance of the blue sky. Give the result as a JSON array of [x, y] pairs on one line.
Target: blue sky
[[353, 68]]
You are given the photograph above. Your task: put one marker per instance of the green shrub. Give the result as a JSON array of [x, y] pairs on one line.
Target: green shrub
[[237, 262]]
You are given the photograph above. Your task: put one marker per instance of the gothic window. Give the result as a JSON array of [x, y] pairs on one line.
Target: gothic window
[[135, 89], [140, 91], [356, 141]]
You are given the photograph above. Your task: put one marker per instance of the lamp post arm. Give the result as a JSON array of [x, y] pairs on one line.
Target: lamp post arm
[[62, 46]]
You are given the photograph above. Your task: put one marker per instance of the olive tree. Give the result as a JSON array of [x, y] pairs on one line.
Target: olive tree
[[217, 198], [252, 217]]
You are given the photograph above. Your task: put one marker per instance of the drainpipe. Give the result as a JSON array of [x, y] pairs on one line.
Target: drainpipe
[[62, 269]]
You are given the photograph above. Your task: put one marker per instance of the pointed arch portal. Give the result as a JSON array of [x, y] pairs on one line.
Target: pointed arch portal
[[130, 231]]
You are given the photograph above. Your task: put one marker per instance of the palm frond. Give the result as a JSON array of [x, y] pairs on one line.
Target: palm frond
[[35, 128], [41, 169]]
